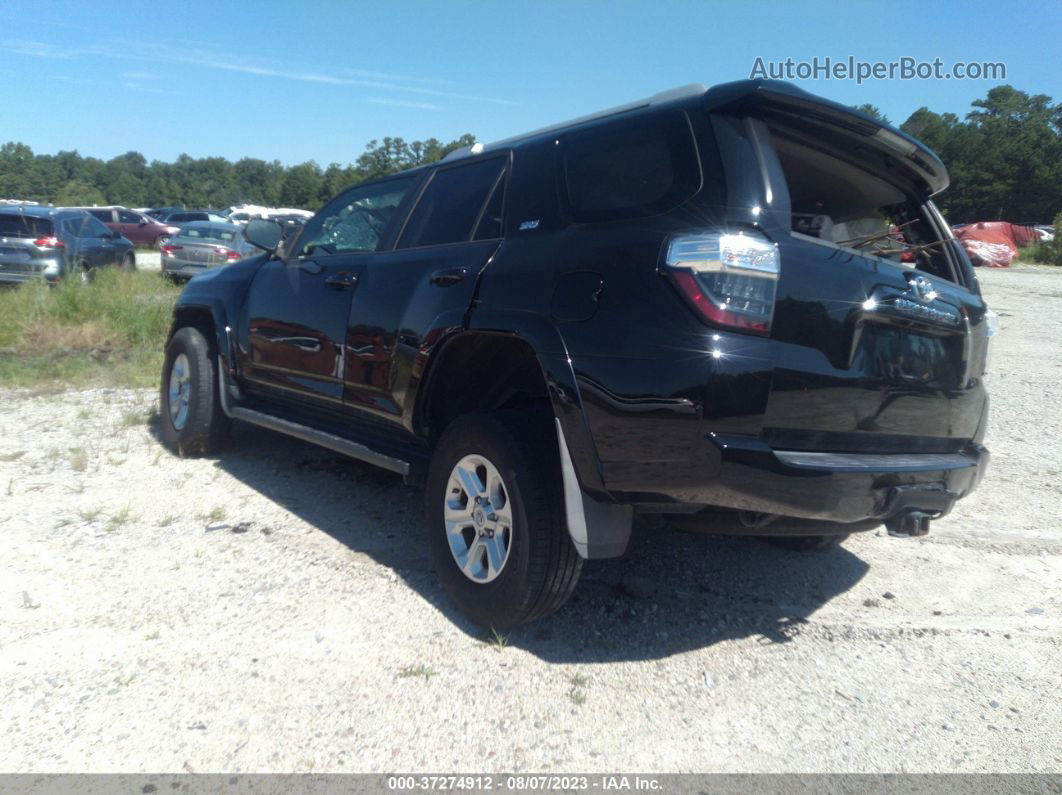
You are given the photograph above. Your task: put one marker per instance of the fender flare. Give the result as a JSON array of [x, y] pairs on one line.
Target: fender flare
[[219, 317], [599, 527]]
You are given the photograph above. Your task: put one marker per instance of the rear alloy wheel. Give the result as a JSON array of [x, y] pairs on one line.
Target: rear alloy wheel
[[496, 525], [479, 518], [192, 419]]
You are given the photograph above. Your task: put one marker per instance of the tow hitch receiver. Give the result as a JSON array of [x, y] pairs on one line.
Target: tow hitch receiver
[[909, 524]]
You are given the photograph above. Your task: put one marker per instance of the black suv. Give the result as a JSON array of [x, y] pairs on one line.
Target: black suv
[[732, 307]]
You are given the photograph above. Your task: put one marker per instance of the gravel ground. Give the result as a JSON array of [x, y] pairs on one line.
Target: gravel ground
[[274, 609]]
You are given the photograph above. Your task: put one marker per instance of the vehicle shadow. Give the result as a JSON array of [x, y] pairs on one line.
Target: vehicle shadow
[[673, 591]]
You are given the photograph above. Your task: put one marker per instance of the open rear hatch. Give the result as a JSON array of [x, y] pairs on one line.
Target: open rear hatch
[[878, 334]]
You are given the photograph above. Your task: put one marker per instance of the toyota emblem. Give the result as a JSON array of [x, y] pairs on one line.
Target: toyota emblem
[[923, 288]]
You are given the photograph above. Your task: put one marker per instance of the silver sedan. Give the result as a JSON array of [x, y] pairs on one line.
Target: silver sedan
[[200, 245]]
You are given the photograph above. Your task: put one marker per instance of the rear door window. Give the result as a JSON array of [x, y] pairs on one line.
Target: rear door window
[[452, 204], [102, 215], [490, 222], [628, 168], [93, 228]]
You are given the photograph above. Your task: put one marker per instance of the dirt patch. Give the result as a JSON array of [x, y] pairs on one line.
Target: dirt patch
[[274, 609]]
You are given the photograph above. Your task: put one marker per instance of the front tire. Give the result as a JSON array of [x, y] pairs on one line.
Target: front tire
[[193, 422], [496, 525]]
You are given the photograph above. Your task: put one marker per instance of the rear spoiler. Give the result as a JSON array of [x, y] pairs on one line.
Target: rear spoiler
[[781, 99]]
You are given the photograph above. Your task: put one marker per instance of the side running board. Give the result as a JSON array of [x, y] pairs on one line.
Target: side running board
[[314, 436]]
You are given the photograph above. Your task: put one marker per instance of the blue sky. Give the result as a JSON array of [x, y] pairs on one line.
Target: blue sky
[[315, 80]]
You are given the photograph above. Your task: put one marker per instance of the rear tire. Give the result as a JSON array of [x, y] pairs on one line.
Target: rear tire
[[193, 422], [516, 562], [129, 262]]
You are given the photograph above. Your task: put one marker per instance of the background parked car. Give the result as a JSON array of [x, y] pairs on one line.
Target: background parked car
[[242, 213], [159, 213], [201, 245], [53, 243], [290, 225], [140, 228], [181, 217]]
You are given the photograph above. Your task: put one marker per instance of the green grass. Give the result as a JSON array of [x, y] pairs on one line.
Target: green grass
[[1044, 253], [107, 333], [214, 515], [411, 671]]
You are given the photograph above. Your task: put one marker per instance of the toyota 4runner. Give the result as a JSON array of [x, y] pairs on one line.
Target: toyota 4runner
[[735, 308]]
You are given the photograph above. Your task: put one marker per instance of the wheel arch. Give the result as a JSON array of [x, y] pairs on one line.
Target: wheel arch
[[537, 366], [211, 319]]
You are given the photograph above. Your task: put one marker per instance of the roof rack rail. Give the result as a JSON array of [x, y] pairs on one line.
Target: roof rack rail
[[681, 92]]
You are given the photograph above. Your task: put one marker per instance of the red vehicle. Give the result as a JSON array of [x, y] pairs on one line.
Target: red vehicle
[[142, 230]]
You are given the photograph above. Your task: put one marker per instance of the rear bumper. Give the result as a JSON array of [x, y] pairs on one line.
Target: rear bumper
[[744, 473], [184, 270], [18, 277]]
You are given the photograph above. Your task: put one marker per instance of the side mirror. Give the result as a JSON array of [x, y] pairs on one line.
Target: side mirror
[[143, 222], [263, 234]]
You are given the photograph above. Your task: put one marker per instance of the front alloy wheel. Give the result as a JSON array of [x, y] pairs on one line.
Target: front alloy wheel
[[180, 390], [192, 419]]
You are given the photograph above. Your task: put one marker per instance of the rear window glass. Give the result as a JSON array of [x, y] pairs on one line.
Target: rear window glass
[[490, 223], [451, 204], [628, 168], [18, 225], [209, 233]]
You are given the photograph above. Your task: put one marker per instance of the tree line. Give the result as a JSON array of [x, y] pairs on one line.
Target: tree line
[[1004, 157], [68, 178]]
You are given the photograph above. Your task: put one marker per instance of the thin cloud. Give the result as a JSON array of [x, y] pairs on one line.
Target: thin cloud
[[132, 85], [138, 75], [401, 103], [38, 49], [160, 52], [364, 73]]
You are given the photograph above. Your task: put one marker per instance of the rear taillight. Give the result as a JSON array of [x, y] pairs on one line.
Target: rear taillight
[[168, 249], [728, 277], [49, 242], [227, 253]]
